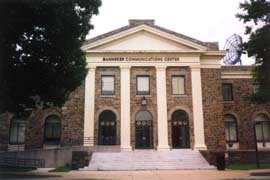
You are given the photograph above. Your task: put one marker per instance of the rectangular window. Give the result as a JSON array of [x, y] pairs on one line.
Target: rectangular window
[[107, 85], [230, 132], [17, 132], [256, 87], [262, 131], [178, 85], [227, 91], [143, 85]]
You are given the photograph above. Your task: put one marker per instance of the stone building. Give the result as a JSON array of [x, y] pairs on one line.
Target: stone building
[[151, 88]]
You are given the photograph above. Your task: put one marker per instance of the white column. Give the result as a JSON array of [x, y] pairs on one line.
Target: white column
[[125, 109], [89, 107], [162, 109], [197, 108]]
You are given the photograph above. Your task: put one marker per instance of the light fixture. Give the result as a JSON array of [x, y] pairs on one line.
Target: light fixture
[[144, 101]]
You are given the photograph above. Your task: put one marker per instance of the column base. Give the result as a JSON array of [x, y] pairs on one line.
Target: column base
[[199, 147], [88, 145], [163, 148], [126, 148]]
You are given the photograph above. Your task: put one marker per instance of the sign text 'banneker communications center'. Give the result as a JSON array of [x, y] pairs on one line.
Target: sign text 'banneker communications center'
[[141, 59]]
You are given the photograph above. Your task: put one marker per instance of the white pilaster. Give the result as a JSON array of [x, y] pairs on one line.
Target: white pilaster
[[197, 108], [125, 109], [162, 109], [89, 107]]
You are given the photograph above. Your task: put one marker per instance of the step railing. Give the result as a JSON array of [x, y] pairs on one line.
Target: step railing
[[22, 162], [88, 141]]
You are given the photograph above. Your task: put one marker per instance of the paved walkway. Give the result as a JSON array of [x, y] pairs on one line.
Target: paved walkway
[[167, 175], [140, 175]]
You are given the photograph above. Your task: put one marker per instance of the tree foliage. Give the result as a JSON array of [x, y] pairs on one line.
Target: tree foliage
[[256, 14], [41, 54]]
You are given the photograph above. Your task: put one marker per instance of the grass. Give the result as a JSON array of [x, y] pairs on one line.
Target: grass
[[247, 166], [247, 179], [61, 169], [260, 174], [88, 179]]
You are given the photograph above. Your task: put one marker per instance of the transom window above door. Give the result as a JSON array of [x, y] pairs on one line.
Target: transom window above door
[[143, 85], [178, 85], [107, 85]]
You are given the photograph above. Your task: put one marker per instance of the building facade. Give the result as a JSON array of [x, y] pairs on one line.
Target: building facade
[[151, 88]]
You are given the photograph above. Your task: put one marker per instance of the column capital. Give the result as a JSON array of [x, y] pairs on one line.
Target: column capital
[[161, 67], [91, 68], [195, 67], [125, 67]]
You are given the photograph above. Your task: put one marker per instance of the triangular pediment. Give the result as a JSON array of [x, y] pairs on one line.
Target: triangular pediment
[[143, 38]]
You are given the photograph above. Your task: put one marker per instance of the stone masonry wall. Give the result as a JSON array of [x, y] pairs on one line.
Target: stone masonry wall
[[213, 110], [243, 110], [73, 118], [105, 102], [4, 130], [176, 102], [135, 101], [35, 123]]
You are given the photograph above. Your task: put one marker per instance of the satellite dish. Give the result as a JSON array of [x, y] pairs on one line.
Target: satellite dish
[[233, 50]]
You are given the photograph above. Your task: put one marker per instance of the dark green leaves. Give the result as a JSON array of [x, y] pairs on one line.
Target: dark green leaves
[[42, 50]]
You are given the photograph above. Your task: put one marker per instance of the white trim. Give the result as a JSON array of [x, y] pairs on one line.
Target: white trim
[[145, 51], [145, 28], [236, 75], [89, 107], [162, 109], [125, 108], [198, 119]]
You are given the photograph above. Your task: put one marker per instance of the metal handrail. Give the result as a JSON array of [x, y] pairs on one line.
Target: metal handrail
[[22, 162]]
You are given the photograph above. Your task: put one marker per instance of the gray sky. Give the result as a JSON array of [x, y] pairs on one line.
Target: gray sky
[[206, 20]]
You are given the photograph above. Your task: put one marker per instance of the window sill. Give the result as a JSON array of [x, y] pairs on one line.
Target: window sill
[[108, 96], [179, 95], [231, 146], [16, 147], [137, 95]]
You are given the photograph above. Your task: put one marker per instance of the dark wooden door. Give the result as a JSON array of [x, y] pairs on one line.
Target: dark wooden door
[[107, 132], [180, 134], [144, 134]]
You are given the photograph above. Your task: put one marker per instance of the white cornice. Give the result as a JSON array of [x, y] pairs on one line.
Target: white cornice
[[236, 75]]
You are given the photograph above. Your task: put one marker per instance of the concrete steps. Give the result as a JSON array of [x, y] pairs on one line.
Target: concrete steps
[[147, 160]]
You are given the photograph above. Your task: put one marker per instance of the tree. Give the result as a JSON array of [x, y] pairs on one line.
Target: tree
[[256, 14], [41, 52]]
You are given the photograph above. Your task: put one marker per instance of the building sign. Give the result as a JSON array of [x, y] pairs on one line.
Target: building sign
[[141, 59]]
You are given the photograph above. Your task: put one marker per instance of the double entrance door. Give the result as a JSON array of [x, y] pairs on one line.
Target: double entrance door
[[144, 135], [143, 130], [180, 138]]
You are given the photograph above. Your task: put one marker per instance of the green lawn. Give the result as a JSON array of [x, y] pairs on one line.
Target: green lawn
[[61, 169], [89, 179], [247, 179], [247, 166]]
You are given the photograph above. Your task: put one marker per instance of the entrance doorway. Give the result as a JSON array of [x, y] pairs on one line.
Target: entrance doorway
[[180, 130], [107, 128], [144, 130]]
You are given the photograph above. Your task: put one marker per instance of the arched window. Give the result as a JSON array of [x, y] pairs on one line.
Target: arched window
[[17, 131], [144, 116], [262, 128], [230, 128], [52, 130]]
